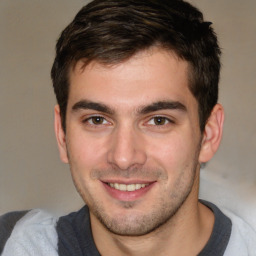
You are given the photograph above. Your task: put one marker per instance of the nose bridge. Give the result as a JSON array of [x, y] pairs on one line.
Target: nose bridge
[[126, 148]]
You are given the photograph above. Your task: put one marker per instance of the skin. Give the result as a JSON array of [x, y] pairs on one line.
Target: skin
[[137, 123]]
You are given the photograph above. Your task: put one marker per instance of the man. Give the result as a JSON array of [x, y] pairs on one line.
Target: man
[[137, 85]]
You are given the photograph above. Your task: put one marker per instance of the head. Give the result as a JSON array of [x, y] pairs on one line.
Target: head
[[111, 32], [137, 83]]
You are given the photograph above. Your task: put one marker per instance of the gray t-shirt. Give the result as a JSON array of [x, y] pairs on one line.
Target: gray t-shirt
[[71, 234]]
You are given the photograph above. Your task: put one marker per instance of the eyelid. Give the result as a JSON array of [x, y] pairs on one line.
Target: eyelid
[[89, 117], [168, 119]]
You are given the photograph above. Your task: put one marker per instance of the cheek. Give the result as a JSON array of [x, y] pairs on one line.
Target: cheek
[[172, 151], [84, 155], [85, 152]]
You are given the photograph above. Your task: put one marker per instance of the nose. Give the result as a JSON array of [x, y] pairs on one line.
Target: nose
[[126, 148]]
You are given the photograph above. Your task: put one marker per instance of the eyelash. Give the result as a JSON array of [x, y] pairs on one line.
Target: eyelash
[[89, 120], [161, 118]]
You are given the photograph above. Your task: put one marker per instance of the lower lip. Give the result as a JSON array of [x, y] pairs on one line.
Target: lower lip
[[127, 195]]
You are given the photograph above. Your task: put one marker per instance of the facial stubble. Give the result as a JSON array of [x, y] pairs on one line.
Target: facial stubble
[[133, 224]]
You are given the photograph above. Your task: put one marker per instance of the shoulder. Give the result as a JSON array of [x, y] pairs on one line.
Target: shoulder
[[243, 236], [27, 233], [239, 235], [7, 223], [36, 232]]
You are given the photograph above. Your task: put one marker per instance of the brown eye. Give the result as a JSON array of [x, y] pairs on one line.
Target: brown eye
[[96, 120], [159, 120]]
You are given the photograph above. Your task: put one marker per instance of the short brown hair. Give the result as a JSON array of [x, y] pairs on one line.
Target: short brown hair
[[111, 31]]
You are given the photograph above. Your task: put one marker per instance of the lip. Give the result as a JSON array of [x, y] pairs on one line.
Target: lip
[[128, 195]]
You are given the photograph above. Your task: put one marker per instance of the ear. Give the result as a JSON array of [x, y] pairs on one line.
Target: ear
[[212, 134], [60, 135]]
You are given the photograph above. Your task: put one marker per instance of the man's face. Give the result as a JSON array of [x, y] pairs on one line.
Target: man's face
[[133, 140]]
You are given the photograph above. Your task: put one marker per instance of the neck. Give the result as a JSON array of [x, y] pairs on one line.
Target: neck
[[186, 233]]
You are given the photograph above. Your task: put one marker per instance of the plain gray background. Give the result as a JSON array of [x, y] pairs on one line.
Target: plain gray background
[[31, 174]]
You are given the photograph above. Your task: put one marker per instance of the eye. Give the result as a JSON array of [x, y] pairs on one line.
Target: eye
[[159, 120], [96, 120]]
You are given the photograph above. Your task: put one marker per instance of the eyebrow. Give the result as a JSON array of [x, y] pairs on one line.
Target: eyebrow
[[85, 104], [156, 106], [162, 105]]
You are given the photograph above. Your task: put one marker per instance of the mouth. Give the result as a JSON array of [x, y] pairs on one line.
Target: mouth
[[127, 187], [128, 192]]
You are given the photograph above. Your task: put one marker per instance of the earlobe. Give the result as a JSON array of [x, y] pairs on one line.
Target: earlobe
[[60, 135], [212, 134]]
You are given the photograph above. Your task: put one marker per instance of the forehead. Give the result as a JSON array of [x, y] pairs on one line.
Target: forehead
[[148, 76]]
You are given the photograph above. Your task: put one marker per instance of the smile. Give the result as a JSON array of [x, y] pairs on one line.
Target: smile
[[129, 187]]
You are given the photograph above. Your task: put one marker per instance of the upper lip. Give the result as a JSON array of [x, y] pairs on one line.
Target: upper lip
[[127, 182]]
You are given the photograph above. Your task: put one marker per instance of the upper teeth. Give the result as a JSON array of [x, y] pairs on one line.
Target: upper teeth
[[124, 187]]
